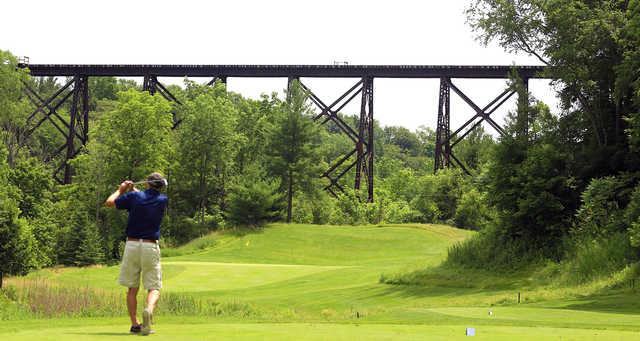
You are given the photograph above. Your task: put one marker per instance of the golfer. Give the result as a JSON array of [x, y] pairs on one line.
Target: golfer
[[142, 252]]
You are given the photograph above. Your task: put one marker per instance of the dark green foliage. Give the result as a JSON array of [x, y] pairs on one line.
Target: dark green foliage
[[206, 151], [13, 105], [82, 245], [314, 208], [350, 209], [632, 217], [34, 183], [255, 201], [78, 241], [293, 147], [534, 196], [102, 88], [475, 149], [492, 249], [602, 211], [437, 196], [403, 138], [472, 211], [46, 233], [593, 258], [16, 239]]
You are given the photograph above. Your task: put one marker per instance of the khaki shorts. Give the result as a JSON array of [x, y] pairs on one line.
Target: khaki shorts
[[141, 258]]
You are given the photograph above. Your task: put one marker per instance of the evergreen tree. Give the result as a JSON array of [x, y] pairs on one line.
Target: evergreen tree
[[83, 244], [294, 145], [255, 200], [16, 238]]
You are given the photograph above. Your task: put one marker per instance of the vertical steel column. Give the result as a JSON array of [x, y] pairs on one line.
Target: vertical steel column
[[149, 84], [364, 144], [443, 128], [361, 137], [524, 100], [70, 146], [369, 91], [85, 110]]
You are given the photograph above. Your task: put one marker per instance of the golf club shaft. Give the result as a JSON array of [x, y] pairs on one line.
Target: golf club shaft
[[163, 181]]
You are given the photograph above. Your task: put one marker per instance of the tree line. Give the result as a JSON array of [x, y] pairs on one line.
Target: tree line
[[567, 191], [232, 162]]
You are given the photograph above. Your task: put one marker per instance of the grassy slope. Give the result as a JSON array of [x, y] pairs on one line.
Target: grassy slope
[[317, 274]]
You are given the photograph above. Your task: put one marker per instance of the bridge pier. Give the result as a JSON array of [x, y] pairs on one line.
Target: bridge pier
[[362, 139], [364, 146], [444, 143], [152, 85], [443, 127], [76, 129]]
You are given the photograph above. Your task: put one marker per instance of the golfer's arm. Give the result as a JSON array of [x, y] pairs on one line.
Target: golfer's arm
[[111, 200]]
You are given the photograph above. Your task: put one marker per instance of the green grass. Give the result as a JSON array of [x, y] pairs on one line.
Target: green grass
[[328, 282]]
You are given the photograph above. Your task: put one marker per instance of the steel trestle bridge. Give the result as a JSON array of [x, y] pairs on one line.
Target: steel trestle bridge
[[76, 128]]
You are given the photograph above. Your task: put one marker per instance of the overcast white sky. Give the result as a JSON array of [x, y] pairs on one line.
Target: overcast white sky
[[272, 32]]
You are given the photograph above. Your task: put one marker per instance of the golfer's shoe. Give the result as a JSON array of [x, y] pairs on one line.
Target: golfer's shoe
[[147, 316], [135, 329]]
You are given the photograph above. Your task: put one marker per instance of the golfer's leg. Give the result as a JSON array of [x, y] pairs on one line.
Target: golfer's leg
[[132, 305], [152, 274], [152, 299], [130, 277]]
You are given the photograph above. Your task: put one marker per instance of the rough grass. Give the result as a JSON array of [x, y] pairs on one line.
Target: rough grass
[[40, 298]]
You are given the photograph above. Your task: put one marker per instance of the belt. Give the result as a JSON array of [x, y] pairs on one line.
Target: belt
[[142, 240]]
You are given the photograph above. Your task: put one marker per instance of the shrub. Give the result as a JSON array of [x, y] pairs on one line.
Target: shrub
[[601, 212], [188, 228], [349, 209], [493, 249], [632, 217], [254, 202], [472, 211], [438, 195], [314, 208], [82, 245], [400, 212]]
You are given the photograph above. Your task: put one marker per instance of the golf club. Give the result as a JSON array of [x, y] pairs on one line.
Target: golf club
[[163, 181]]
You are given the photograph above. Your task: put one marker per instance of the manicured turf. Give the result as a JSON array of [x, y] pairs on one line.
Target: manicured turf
[[315, 331], [322, 282]]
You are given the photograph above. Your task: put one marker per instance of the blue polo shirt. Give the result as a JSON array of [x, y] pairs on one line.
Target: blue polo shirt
[[146, 209]]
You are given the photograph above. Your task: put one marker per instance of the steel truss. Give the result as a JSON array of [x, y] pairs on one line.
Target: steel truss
[[76, 129], [152, 85], [445, 139], [362, 138]]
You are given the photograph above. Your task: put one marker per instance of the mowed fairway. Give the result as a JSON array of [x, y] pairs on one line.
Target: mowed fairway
[[322, 283]]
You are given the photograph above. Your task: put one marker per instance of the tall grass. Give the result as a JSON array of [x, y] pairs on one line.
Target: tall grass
[[490, 251], [598, 258], [41, 299]]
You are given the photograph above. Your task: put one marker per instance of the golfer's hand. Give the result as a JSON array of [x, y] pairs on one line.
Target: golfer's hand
[[125, 186]]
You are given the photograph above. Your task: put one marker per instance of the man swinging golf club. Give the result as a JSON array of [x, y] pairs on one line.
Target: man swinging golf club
[[142, 252]]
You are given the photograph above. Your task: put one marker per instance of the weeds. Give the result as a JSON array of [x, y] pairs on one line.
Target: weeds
[[41, 299]]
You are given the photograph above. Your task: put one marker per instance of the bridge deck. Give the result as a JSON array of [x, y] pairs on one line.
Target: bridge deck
[[332, 71]]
